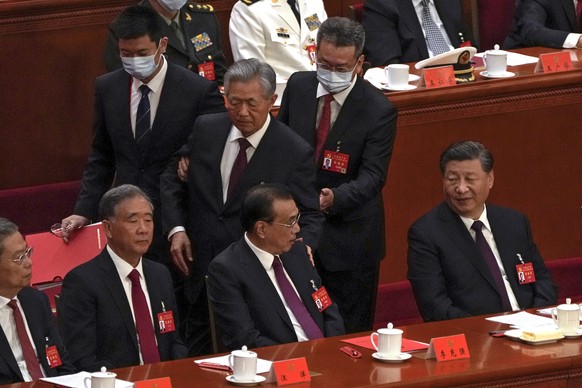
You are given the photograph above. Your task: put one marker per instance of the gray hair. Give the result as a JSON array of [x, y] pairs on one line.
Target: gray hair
[[467, 150], [342, 32], [112, 198], [7, 229], [247, 70]]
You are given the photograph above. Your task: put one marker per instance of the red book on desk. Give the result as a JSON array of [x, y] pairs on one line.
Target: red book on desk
[[407, 345], [53, 258]]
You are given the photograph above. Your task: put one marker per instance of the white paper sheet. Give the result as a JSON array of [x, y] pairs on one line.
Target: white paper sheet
[[78, 380], [263, 366], [523, 320], [515, 59]]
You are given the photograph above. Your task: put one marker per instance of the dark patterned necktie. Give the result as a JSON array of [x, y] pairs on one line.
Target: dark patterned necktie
[[240, 163], [436, 41]]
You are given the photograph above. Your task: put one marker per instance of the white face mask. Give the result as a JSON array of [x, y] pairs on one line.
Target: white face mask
[[173, 5], [140, 67], [333, 81]]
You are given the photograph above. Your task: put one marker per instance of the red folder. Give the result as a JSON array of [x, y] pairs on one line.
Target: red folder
[[52, 258]]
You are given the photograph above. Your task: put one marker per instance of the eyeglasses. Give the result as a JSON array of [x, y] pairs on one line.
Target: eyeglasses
[[23, 255], [325, 66], [291, 225]]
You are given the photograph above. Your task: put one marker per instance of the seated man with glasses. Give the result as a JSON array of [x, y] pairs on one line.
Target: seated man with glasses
[[263, 287], [30, 344], [228, 154], [352, 127]]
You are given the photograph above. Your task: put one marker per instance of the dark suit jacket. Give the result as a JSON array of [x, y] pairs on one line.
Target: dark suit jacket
[[248, 308], [542, 23], [394, 34], [42, 325], [353, 234], [281, 157], [449, 276], [95, 316], [195, 19]]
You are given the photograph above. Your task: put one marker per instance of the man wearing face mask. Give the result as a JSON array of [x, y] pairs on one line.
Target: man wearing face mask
[[143, 114], [194, 38], [352, 127]]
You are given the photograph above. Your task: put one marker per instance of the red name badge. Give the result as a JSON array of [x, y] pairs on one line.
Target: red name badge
[[289, 371], [166, 322], [525, 273], [321, 299], [163, 382], [552, 62], [206, 70], [453, 347], [437, 77], [52, 356], [311, 52], [335, 162]]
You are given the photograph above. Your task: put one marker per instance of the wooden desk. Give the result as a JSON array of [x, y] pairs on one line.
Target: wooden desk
[[493, 362]]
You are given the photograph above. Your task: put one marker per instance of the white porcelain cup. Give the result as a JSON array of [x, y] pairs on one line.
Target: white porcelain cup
[[100, 380], [567, 317], [495, 61], [397, 75], [244, 364], [389, 341]]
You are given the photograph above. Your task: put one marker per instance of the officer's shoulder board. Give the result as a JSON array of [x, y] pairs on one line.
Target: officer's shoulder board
[[198, 7], [250, 2]]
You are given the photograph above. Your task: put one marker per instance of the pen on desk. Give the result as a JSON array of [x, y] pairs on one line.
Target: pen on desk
[[497, 333]]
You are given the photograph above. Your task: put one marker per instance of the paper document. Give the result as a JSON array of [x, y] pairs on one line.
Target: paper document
[[523, 320], [263, 366], [78, 380]]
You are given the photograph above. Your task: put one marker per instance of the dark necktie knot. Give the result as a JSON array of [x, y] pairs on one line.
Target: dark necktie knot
[[243, 143], [477, 226], [134, 277], [13, 304], [145, 90]]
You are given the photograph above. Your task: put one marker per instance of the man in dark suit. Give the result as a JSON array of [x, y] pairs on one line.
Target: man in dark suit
[[351, 163], [202, 217], [108, 304], [194, 40], [248, 296], [464, 256], [24, 356], [121, 153], [395, 32], [548, 23]]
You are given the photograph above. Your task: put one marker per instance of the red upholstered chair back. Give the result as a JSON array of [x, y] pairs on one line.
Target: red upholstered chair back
[[566, 275], [495, 22], [356, 11], [396, 304]]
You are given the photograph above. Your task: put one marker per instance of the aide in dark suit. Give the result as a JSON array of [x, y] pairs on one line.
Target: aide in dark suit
[[15, 275], [353, 239], [548, 23], [394, 33], [446, 268], [116, 157], [203, 208], [96, 309], [249, 305], [200, 31]]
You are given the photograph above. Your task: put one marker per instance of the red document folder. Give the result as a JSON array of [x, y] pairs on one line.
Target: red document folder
[[407, 345], [53, 258]]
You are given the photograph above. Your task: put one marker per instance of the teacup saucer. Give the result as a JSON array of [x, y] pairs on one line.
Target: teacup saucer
[[400, 358], [257, 380], [507, 74], [399, 88], [578, 334]]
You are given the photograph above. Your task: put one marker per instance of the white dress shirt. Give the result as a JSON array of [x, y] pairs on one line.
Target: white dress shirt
[[572, 38], [336, 105]]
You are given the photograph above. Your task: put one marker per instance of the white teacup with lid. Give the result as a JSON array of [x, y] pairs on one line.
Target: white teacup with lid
[[389, 341], [495, 61], [102, 379], [567, 317], [244, 364]]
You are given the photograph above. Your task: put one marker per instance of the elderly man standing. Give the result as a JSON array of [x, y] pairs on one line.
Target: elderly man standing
[[464, 256], [230, 153], [352, 127], [261, 286], [30, 344], [118, 309]]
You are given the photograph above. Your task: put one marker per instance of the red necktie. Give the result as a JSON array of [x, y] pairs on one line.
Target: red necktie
[[323, 127], [240, 163], [492, 264], [295, 303], [27, 351], [143, 321]]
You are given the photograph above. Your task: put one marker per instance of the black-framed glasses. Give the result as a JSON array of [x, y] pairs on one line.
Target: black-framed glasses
[[23, 255], [291, 225]]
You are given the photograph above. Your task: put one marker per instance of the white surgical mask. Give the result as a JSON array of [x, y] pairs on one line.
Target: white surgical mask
[[333, 81], [141, 67], [173, 5]]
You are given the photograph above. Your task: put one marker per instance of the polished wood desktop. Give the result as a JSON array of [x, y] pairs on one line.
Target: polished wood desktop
[[494, 362]]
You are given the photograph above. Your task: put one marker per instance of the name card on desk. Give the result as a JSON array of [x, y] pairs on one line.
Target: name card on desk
[[453, 347], [163, 382], [437, 77], [553, 62], [289, 371]]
